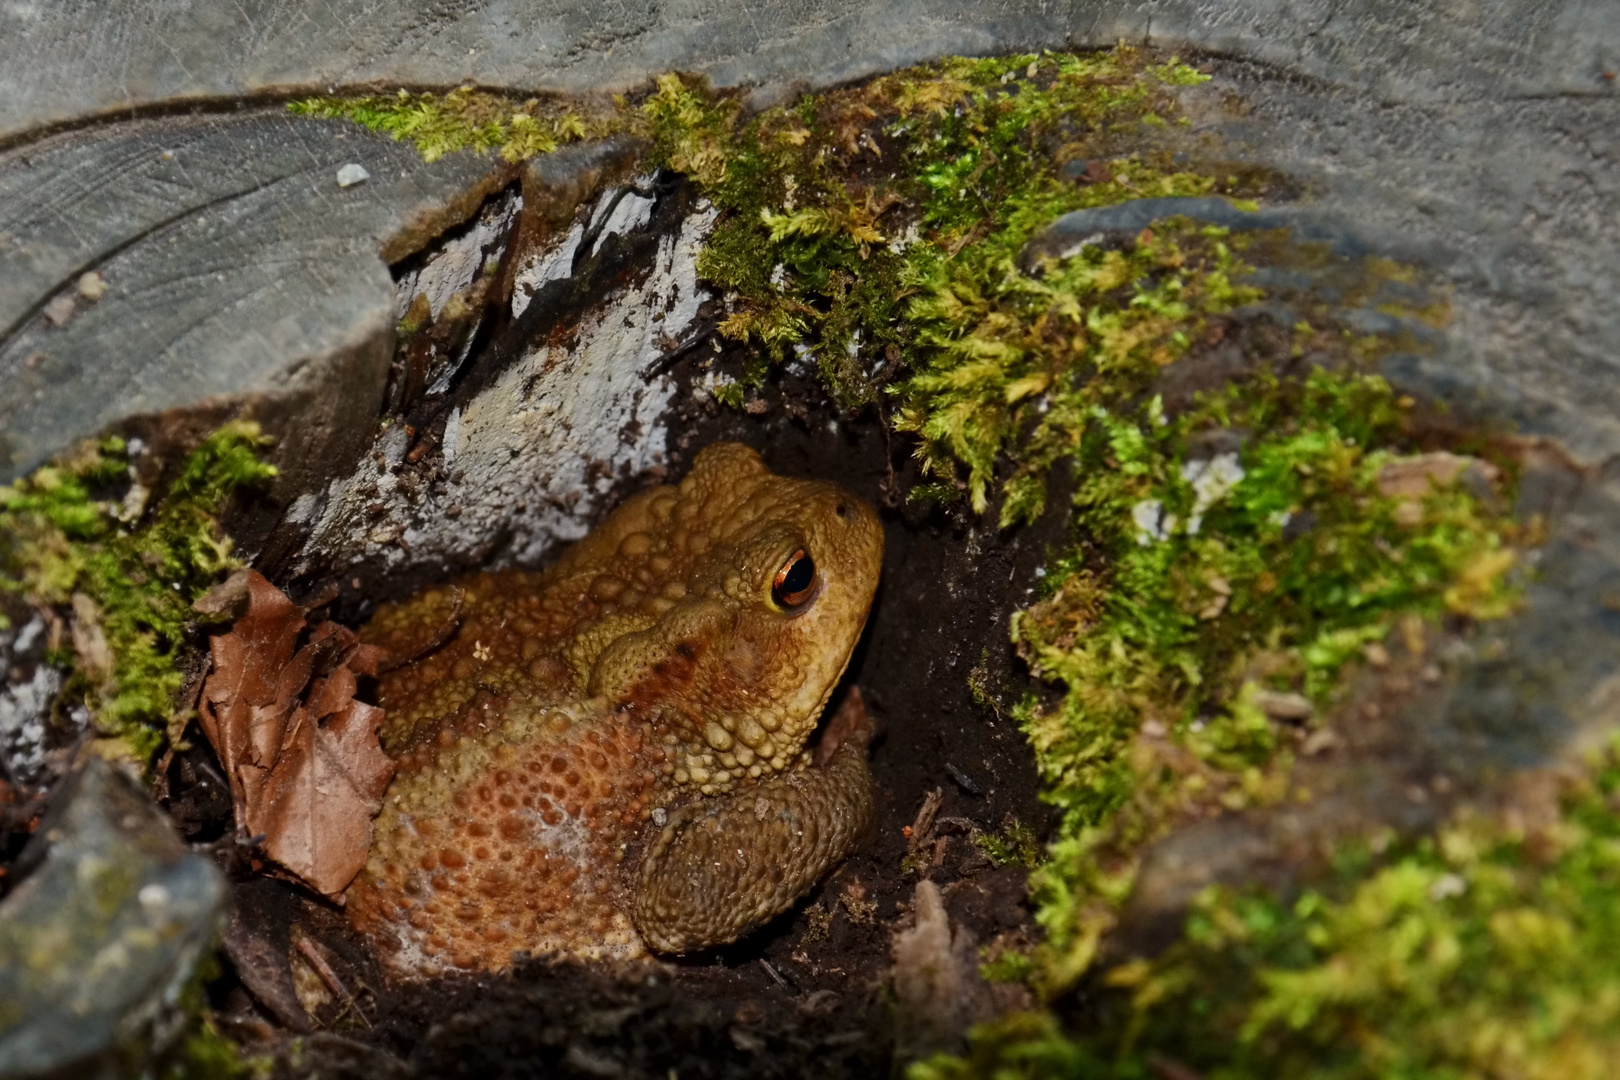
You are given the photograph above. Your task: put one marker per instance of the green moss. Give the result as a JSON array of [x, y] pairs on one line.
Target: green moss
[[203, 1053], [853, 220], [877, 231], [1189, 568], [1015, 845], [1011, 966], [1485, 951], [1009, 354], [207, 1055], [464, 119], [127, 573], [1186, 596], [1023, 1046]]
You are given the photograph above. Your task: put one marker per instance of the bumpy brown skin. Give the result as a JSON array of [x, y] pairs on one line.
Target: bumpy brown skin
[[644, 693]]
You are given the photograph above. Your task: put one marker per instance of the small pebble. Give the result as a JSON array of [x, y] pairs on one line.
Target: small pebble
[[352, 174], [60, 310], [92, 286], [963, 780]]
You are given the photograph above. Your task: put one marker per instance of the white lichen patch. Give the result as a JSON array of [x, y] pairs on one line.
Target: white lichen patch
[[550, 263], [1152, 523], [624, 213], [530, 459], [460, 259], [1212, 480], [25, 706]]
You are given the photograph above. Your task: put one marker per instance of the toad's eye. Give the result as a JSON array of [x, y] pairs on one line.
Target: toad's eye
[[794, 581]]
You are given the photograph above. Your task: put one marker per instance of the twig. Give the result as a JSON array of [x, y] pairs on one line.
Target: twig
[[306, 948], [776, 975], [446, 631], [920, 831]]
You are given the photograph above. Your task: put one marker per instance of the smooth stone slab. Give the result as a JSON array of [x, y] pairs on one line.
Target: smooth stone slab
[[1515, 200], [1478, 137], [65, 61], [100, 937], [235, 263]]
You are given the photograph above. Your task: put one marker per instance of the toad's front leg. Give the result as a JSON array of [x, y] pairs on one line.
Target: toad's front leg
[[723, 866]]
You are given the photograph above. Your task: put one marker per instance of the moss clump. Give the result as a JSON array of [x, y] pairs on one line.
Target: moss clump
[[201, 1052], [1022, 367], [128, 573], [205, 1054], [1231, 547], [855, 223], [1199, 585], [1015, 845], [1023, 1046], [464, 119], [1485, 951]]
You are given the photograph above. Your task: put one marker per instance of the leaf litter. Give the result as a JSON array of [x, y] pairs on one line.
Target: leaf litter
[[307, 773]]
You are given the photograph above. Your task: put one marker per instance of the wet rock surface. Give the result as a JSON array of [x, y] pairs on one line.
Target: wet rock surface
[[102, 934], [557, 402]]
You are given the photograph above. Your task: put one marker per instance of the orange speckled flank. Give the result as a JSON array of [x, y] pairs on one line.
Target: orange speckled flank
[[527, 858], [650, 669]]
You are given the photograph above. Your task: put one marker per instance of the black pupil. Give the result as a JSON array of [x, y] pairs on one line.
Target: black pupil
[[793, 580]]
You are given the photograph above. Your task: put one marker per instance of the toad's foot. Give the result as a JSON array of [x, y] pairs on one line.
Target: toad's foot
[[723, 866]]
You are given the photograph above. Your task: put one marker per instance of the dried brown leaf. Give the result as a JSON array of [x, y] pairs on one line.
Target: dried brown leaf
[[315, 807], [239, 696], [301, 752]]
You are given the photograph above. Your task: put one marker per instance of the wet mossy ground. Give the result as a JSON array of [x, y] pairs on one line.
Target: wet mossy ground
[[1152, 480]]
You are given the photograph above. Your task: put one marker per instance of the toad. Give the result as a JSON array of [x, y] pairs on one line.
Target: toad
[[609, 756]]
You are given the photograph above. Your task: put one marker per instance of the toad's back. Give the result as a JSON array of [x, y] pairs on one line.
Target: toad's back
[[671, 663]]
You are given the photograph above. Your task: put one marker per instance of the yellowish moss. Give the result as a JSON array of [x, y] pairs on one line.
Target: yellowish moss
[[123, 574], [467, 119], [1486, 951], [1186, 595]]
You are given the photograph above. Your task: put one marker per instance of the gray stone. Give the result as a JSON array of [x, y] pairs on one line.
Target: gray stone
[[1514, 198], [1477, 137], [67, 61], [234, 266], [99, 938]]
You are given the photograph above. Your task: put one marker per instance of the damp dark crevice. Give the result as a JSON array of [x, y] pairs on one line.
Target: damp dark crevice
[[805, 987]]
